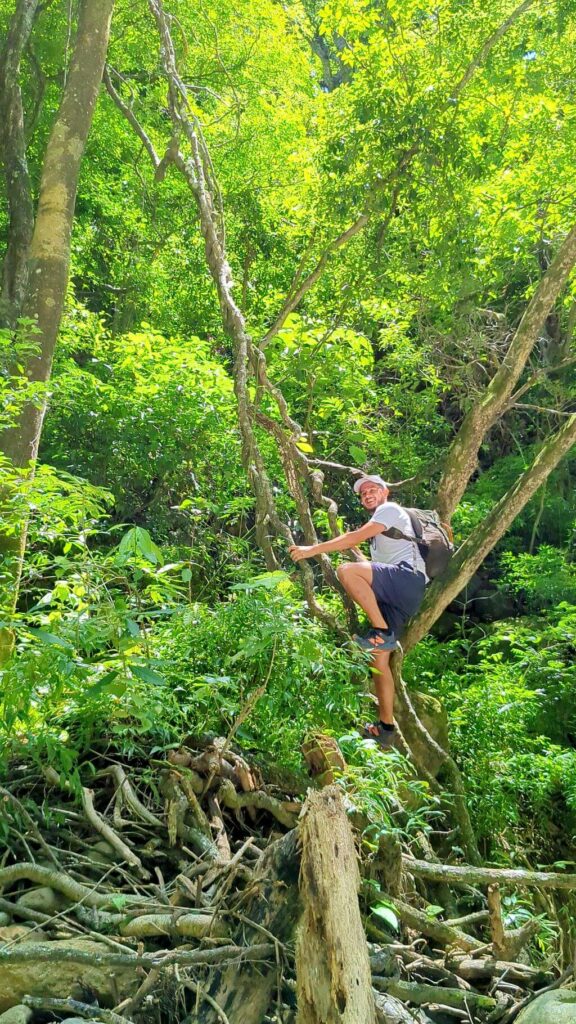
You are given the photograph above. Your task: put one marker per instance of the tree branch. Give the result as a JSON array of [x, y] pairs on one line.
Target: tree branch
[[466, 875], [473, 551], [487, 47], [130, 117], [460, 461]]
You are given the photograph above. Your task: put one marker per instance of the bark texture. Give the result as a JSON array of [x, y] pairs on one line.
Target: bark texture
[[332, 966], [36, 267]]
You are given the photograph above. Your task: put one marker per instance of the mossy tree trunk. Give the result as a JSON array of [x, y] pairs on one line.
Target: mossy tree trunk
[[36, 266]]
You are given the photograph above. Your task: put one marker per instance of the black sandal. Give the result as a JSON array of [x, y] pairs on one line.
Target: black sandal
[[385, 738]]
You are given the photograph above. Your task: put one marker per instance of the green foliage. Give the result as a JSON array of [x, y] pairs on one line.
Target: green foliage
[[510, 698], [217, 657], [543, 579], [150, 418]]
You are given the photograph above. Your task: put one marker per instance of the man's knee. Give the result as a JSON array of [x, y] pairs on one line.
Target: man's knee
[[344, 572]]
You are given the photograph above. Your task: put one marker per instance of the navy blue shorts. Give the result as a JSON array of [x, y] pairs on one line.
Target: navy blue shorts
[[399, 592]]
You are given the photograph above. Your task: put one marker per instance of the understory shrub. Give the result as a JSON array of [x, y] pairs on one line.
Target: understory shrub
[[510, 697]]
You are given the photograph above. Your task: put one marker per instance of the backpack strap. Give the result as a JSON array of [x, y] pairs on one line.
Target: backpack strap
[[416, 524], [397, 534]]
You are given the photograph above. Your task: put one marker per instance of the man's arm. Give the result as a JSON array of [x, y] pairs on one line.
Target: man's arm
[[343, 543]]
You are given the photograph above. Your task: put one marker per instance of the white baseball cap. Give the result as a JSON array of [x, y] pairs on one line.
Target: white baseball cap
[[369, 480]]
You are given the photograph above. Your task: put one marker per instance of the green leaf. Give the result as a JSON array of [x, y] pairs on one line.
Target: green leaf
[[265, 581], [147, 675], [358, 455], [385, 911], [138, 541], [101, 683], [51, 638], [432, 910]]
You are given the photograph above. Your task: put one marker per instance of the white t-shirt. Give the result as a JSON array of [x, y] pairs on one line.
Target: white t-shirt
[[385, 549]]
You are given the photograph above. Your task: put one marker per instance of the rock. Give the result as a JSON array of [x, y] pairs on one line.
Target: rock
[[447, 626], [62, 979], [76, 1020], [490, 605], [17, 1015], [21, 933], [463, 599], [103, 853], [557, 1007], [43, 899]]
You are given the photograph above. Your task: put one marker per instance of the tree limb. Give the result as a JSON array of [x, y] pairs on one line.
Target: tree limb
[[466, 875], [473, 551], [460, 460], [489, 45]]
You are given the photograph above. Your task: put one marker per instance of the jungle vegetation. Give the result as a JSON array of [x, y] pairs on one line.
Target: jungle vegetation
[[249, 251]]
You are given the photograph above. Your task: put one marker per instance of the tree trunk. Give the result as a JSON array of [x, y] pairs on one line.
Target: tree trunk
[[270, 905], [49, 253], [333, 976], [15, 164], [462, 455]]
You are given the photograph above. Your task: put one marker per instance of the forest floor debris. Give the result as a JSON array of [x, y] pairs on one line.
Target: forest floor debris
[[172, 890]]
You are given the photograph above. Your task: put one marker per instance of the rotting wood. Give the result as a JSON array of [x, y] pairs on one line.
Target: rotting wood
[[390, 1010], [323, 757], [269, 908], [332, 965]]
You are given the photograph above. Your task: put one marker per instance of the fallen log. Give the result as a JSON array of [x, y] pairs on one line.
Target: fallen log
[[391, 1011], [421, 994], [436, 930], [194, 926], [60, 882], [467, 874], [474, 969], [31, 952], [332, 966]]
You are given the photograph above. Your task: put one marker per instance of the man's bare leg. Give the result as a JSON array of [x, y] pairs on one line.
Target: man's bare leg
[[356, 578], [384, 686]]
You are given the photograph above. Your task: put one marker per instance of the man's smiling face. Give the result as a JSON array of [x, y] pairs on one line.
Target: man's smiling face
[[372, 495]]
